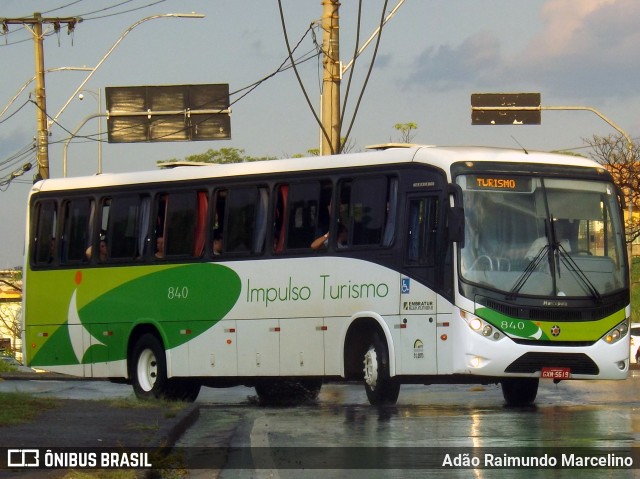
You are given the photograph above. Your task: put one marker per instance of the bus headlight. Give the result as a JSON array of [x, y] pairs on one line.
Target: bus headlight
[[475, 324], [480, 326], [617, 333]]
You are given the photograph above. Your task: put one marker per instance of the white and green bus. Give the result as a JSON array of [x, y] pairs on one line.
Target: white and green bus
[[408, 264]]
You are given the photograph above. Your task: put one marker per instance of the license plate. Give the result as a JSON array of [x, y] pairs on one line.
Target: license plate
[[556, 373]]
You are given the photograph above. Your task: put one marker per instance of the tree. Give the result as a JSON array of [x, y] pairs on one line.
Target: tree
[[406, 131], [11, 325], [10, 311], [223, 155], [621, 160]]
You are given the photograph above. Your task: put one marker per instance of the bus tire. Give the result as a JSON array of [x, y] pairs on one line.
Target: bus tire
[[149, 368], [183, 389], [381, 389], [520, 391]]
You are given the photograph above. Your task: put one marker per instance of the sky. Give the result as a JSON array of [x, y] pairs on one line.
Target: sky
[[432, 55]]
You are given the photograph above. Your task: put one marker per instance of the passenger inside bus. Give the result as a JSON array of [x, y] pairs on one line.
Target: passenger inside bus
[[217, 244], [102, 252], [323, 241], [160, 247]]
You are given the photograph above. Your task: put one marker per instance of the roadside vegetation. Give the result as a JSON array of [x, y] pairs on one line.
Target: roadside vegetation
[[18, 408], [5, 367]]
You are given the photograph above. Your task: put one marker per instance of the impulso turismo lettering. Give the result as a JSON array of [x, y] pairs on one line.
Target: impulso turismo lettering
[[325, 287]]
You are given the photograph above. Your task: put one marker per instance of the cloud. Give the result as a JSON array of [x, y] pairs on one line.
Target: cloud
[[589, 46], [583, 48], [446, 67]]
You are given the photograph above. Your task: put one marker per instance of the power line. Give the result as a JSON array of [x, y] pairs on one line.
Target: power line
[[152, 4], [26, 153], [34, 25], [366, 81], [304, 91], [15, 112], [63, 6], [85, 17]]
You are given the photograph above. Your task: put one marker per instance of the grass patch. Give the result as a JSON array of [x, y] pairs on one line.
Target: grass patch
[[5, 367], [19, 408], [143, 427], [102, 474]]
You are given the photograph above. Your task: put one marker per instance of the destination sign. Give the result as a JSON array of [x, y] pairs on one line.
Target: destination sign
[[501, 183]]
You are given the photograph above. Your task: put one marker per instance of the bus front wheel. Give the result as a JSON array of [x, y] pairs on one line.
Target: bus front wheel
[[381, 389], [520, 391]]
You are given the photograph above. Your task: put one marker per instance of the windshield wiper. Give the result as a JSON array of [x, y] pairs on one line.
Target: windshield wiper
[[528, 271], [573, 267]]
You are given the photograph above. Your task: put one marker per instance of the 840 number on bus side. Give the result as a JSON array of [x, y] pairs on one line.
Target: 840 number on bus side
[[177, 292]]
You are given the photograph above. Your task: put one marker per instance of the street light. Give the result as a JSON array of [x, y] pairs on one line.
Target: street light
[[72, 136], [113, 47], [93, 70], [33, 78], [98, 96]]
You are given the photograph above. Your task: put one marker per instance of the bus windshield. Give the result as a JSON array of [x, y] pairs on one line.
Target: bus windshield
[[540, 236]]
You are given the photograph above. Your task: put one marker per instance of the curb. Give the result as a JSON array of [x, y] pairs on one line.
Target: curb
[[45, 376], [184, 421]]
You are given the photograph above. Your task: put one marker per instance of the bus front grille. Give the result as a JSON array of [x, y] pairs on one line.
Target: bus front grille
[[532, 362]]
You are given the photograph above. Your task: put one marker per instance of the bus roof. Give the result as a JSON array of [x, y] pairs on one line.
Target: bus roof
[[440, 157]]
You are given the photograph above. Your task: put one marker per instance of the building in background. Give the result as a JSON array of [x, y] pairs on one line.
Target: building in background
[[10, 313]]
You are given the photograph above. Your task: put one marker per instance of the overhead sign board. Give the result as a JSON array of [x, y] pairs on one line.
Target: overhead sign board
[[168, 113], [505, 109]]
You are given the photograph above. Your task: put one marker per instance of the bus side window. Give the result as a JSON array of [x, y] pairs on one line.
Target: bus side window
[[77, 226], [181, 223], [180, 226], [245, 220], [304, 205], [363, 209], [43, 243], [301, 214], [121, 220]]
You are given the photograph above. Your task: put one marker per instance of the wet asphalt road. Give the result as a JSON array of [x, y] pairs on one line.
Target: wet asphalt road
[[447, 419]]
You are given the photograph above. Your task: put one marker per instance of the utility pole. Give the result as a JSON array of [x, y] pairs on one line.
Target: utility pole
[[34, 25], [330, 114]]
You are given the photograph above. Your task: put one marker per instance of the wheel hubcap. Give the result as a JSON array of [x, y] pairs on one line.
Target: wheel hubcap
[[371, 368], [147, 370]]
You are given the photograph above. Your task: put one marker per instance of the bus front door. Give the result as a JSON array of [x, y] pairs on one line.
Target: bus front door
[[418, 299]]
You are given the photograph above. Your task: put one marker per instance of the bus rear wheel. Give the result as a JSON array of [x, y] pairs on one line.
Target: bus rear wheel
[[149, 368], [283, 391], [182, 389], [381, 389], [520, 391]]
